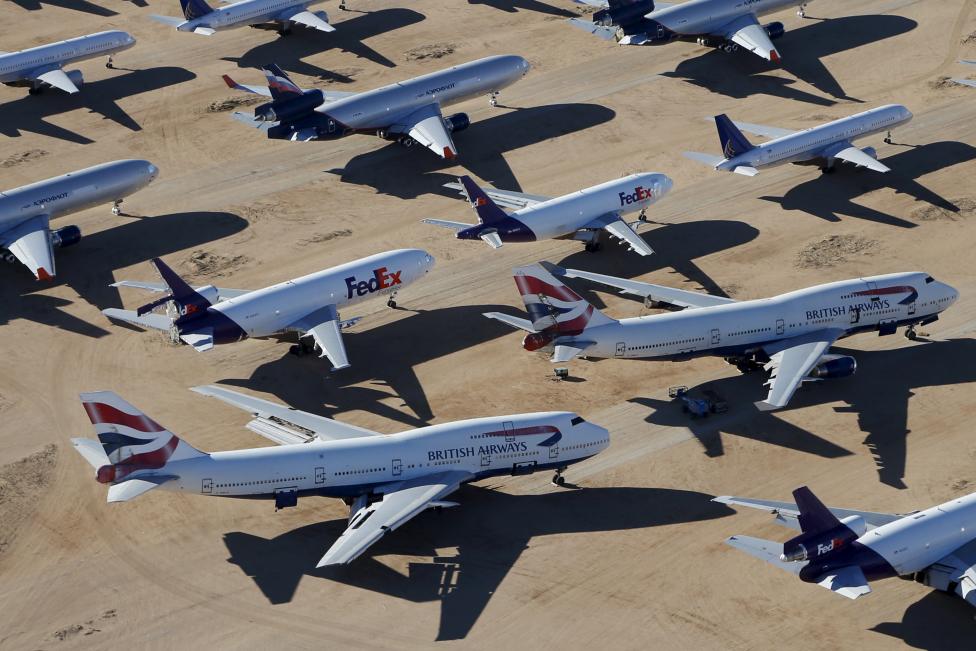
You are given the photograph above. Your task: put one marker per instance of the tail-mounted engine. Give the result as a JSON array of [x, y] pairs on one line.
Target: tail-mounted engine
[[622, 13], [290, 109], [812, 546]]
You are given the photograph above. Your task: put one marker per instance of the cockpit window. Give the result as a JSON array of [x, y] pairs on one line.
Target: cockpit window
[[929, 279], [577, 421]]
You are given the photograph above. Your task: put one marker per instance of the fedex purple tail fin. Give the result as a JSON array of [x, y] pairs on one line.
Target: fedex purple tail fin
[[280, 85], [189, 302], [814, 516], [195, 9], [733, 142], [488, 211]]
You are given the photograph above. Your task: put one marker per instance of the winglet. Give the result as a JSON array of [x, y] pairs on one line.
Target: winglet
[[42, 274]]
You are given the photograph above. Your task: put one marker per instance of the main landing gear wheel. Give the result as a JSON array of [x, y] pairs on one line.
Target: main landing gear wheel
[[911, 333], [34, 91], [558, 478], [592, 247]]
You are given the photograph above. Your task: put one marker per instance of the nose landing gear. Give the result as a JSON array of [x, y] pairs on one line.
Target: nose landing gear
[[116, 207], [493, 98]]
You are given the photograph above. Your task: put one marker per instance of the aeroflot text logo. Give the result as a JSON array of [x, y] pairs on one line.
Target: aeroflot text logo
[[380, 280], [640, 194], [53, 197]]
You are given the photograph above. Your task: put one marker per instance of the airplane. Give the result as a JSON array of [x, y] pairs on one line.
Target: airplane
[[579, 216], [789, 335], [40, 67], [386, 480], [842, 549], [724, 24], [408, 112], [26, 212], [967, 82], [821, 145], [205, 316], [200, 18]]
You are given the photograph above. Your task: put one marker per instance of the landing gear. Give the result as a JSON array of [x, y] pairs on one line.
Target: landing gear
[[391, 303], [913, 334], [558, 479], [407, 141], [828, 169], [642, 215], [285, 28], [304, 346], [109, 64], [342, 5], [801, 12], [493, 98], [116, 209], [592, 247], [887, 139], [34, 90]]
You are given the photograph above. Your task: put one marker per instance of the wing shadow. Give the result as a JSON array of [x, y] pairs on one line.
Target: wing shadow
[[936, 622], [514, 6], [75, 5]]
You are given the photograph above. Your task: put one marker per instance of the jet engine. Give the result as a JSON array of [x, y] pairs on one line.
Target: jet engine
[[209, 292], [834, 366], [871, 151], [774, 30], [457, 122], [808, 546], [67, 236], [623, 12], [76, 77], [290, 109]]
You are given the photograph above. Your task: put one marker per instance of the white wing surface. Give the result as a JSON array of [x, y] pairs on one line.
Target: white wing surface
[[620, 229], [765, 550], [426, 127], [58, 79], [401, 502], [856, 156], [514, 321], [763, 130], [505, 198], [30, 243], [790, 361], [223, 293], [787, 513], [324, 327], [150, 320], [304, 427], [746, 32], [659, 293], [847, 581], [308, 19]]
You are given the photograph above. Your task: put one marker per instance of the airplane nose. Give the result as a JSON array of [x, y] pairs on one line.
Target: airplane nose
[[428, 262], [153, 171]]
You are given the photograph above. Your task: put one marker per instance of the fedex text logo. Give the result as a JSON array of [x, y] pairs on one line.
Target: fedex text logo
[[381, 280], [829, 547], [640, 194]]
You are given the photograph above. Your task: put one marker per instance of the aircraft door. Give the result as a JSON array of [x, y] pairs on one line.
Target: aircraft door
[[911, 308], [554, 451], [509, 431], [397, 466], [319, 475], [716, 337], [621, 349], [780, 326], [207, 486], [855, 314]]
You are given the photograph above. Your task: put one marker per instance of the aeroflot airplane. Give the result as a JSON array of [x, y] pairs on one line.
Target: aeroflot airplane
[[842, 550], [789, 335], [385, 480], [200, 18], [581, 215]]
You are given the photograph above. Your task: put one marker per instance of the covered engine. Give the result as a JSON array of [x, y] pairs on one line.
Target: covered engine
[[457, 122], [537, 340], [623, 12], [774, 30], [290, 109], [834, 366], [67, 236]]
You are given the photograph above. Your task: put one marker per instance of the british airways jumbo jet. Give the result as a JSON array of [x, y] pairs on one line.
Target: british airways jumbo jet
[[385, 480], [789, 335]]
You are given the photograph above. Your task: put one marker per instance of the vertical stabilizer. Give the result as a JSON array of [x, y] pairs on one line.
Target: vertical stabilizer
[[733, 142], [195, 9], [814, 516], [280, 84], [488, 211]]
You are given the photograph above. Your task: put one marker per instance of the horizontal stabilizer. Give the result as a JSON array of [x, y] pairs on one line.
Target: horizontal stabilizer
[[601, 32], [566, 352], [765, 550], [708, 159], [966, 82], [205, 31], [514, 321], [167, 20], [133, 488], [763, 130], [251, 121], [677, 297], [745, 170], [201, 340], [154, 321], [504, 198], [443, 223], [92, 451], [492, 239], [787, 513]]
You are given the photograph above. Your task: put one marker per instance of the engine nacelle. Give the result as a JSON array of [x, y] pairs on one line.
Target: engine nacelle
[[623, 12], [457, 122], [290, 109], [76, 77], [209, 292], [774, 30], [834, 366], [871, 151], [856, 524], [67, 236]]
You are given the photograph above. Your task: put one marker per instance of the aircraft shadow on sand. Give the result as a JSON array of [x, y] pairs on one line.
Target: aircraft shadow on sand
[[936, 622], [349, 37], [100, 96], [879, 394], [742, 74], [306, 383], [514, 6], [482, 147], [832, 195], [490, 531], [76, 5], [676, 246], [89, 267]]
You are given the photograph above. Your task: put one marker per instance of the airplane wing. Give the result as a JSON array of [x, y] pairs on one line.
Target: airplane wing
[[505, 198], [677, 297], [256, 90], [308, 19], [514, 321], [762, 129], [620, 229], [602, 4], [223, 293], [284, 425], [790, 361], [426, 127], [765, 550], [787, 513], [30, 242], [746, 32], [959, 568], [324, 327], [566, 352], [851, 154], [966, 82], [56, 78], [401, 502]]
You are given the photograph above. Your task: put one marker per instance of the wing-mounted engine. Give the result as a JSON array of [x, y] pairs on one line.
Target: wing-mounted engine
[[64, 237], [775, 30], [833, 366], [870, 151], [457, 122]]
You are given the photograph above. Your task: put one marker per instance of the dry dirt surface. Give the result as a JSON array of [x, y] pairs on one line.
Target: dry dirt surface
[[633, 558]]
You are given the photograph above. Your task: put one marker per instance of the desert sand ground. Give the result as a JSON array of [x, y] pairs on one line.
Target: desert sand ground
[[634, 558]]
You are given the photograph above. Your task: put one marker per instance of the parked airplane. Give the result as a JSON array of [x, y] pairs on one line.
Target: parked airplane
[[842, 550], [725, 24], [208, 315], [789, 335], [967, 82], [385, 480], [579, 216], [821, 145], [39, 67], [26, 212], [200, 18], [408, 112]]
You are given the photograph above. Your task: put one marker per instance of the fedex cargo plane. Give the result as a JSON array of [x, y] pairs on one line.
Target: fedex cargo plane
[[208, 315]]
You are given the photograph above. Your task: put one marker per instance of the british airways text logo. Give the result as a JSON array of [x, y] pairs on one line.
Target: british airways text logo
[[640, 194], [381, 280]]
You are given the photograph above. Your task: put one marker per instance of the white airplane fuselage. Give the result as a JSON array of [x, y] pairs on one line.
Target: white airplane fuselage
[[16, 67], [503, 445], [706, 16], [742, 328], [243, 14], [810, 144]]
